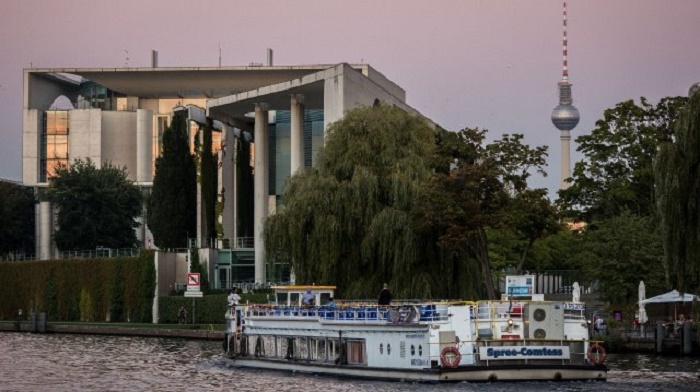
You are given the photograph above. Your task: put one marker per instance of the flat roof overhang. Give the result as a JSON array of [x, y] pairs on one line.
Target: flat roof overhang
[[275, 97], [191, 82]]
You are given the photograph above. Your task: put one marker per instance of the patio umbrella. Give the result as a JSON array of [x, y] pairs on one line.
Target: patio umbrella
[[642, 297], [673, 297], [670, 297]]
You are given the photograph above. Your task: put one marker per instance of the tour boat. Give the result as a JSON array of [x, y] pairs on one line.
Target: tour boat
[[437, 341]]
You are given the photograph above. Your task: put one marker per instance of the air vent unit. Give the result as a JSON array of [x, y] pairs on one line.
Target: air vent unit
[[545, 321]]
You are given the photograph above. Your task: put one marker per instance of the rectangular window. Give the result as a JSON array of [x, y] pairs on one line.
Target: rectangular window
[[54, 143]]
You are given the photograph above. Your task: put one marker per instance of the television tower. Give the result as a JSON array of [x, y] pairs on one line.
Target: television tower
[[565, 116]]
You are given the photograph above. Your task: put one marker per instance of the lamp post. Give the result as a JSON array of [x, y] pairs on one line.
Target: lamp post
[[216, 276]]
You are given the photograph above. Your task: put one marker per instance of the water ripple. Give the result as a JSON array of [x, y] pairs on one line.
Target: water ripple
[[30, 362]]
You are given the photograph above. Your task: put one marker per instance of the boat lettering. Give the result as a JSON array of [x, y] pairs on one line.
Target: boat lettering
[[523, 352], [415, 336], [419, 362]]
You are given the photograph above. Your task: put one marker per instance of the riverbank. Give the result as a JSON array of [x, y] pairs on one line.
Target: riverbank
[[189, 331]]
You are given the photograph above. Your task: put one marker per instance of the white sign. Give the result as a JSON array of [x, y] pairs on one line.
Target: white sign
[[523, 352], [193, 279], [573, 306], [520, 286], [197, 294]]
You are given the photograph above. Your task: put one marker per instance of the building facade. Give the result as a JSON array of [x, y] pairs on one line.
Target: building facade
[[278, 114]]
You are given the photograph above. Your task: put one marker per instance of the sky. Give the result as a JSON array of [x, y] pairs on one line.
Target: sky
[[491, 64]]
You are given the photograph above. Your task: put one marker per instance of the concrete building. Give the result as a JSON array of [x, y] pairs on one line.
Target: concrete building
[[278, 113]]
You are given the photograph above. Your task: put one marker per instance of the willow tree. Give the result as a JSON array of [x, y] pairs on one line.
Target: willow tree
[[677, 172], [347, 221]]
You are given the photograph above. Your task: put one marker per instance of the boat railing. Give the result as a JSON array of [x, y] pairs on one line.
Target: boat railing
[[405, 314], [517, 311]]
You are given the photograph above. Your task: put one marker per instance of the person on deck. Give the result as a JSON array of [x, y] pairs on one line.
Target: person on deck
[[308, 298], [384, 295]]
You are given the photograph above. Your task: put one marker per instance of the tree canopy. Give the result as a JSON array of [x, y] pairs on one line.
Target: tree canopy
[[346, 221], [16, 218], [393, 200], [617, 173], [486, 189], [97, 207], [677, 170], [171, 206]]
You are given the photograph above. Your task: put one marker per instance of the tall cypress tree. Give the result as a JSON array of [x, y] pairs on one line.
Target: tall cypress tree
[[172, 206]]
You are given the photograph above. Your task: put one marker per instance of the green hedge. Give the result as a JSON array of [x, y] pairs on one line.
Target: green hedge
[[210, 309], [115, 289]]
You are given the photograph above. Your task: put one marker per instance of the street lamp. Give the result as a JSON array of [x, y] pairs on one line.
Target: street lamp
[[216, 276]]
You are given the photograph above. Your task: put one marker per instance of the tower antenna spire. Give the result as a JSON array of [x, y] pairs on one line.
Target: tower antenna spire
[[565, 60], [565, 116]]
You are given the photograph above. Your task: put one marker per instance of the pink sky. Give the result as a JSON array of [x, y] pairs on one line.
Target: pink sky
[[490, 64]]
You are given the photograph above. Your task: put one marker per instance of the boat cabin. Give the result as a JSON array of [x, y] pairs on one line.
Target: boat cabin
[[291, 295]]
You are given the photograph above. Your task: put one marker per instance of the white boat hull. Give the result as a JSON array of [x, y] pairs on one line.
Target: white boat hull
[[462, 373]]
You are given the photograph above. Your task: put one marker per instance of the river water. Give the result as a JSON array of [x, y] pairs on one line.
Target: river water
[[54, 362]]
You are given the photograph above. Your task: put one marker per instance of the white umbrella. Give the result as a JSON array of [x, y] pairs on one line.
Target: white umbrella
[[670, 297], [642, 297]]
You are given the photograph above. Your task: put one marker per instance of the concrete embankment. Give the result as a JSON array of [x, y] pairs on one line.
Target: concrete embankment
[[156, 330]]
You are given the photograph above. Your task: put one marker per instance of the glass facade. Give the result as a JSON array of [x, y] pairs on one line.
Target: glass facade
[[54, 143], [280, 143], [99, 97]]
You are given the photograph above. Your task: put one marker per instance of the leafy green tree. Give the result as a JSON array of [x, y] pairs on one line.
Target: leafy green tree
[[96, 206], [486, 190], [172, 204], [347, 220], [619, 252], [616, 173], [16, 218], [677, 169]]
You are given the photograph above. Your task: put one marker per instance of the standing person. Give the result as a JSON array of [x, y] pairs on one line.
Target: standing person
[[182, 315], [384, 295], [233, 298], [308, 298], [330, 303]]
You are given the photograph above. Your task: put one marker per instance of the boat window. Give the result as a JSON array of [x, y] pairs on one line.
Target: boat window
[[388, 349], [317, 349], [420, 350], [294, 299], [356, 352], [282, 298], [324, 298], [413, 350]]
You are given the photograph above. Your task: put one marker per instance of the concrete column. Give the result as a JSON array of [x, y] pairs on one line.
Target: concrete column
[[228, 186], [297, 135], [144, 145], [45, 224], [565, 159], [261, 185]]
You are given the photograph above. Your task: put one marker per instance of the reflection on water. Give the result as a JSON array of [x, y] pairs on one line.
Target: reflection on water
[[102, 363]]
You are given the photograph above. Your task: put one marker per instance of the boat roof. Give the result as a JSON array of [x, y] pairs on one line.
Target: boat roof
[[301, 287]]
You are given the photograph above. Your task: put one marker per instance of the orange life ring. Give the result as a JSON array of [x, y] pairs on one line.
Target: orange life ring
[[450, 357], [596, 354]]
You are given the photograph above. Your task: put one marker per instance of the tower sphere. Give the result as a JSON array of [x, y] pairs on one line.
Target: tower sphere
[[565, 117]]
